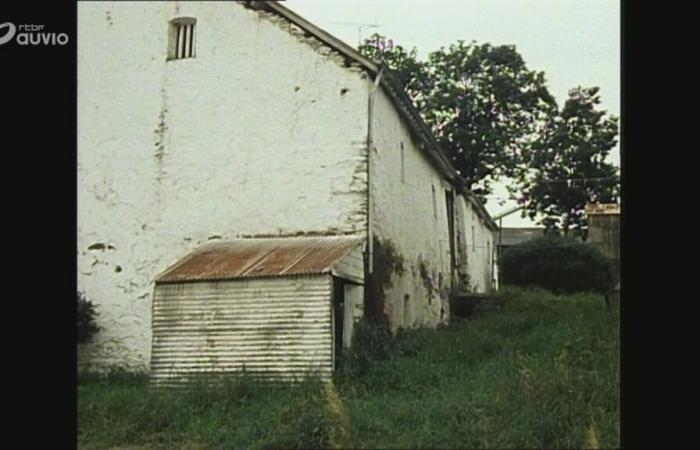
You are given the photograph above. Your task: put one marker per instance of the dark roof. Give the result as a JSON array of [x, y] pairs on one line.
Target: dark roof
[[514, 236], [394, 89], [249, 258]]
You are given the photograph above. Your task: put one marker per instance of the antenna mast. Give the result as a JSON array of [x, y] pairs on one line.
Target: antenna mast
[[359, 26]]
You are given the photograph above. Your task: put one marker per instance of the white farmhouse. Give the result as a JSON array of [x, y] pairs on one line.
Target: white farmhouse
[[249, 186]]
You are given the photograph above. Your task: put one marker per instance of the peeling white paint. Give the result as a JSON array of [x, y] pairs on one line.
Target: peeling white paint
[[476, 257], [409, 209], [264, 132], [172, 153], [402, 212]]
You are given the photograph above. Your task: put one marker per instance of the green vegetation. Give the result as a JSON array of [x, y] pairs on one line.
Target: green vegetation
[[120, 409], [560, 264], [543, 372], [496, 120], [86, 320]]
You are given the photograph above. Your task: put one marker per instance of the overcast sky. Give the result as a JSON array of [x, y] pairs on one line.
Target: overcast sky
[[575, 42]]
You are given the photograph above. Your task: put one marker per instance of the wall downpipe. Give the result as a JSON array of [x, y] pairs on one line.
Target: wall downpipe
[[370, 145]]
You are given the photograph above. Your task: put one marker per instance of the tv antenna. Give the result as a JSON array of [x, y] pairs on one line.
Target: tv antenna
[[359, 26]]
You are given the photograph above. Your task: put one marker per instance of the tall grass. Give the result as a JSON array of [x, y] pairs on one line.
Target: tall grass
[[240, 413], [543, 372]]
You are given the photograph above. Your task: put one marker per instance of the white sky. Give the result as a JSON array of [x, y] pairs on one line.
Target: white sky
[[575, 42]]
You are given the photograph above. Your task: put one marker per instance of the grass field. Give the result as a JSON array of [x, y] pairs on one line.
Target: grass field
[[543, 372]]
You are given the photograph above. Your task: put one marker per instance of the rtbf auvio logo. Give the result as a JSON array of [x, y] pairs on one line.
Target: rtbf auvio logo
[[30, 34]]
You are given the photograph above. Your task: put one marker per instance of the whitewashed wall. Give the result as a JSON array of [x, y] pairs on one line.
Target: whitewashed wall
[[402, 213], [259, 134], [476, 254]]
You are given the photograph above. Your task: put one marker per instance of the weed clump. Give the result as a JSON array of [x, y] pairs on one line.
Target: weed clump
[[87, 326], [371, 342], [122, 409]]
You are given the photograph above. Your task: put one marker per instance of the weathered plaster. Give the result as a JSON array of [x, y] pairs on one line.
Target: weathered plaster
[[264, 133], [476, 254], [259, 134], [402, 213]]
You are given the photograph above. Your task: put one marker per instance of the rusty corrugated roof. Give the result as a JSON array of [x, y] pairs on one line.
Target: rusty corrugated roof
[[247, 258]]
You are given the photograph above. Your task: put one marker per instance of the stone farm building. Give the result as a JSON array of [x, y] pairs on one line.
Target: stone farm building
[[249, 186]]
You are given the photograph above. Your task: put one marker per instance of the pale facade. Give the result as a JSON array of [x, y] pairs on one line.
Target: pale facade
[[264, 131]]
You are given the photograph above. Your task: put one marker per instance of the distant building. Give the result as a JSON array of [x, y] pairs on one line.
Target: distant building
[[509, 237], [604, 231]]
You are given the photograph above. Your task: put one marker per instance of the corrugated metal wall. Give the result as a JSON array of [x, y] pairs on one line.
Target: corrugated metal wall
[[277, 327]]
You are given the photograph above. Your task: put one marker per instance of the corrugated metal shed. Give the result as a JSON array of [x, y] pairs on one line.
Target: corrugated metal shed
[[263, 306], [278, 328], [249, 258]]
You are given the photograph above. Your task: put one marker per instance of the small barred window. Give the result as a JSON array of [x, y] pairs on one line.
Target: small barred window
[[182, 41]]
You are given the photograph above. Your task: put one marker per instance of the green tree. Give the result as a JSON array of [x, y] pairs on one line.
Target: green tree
[[403, 63], [482, 102], [568, 164]]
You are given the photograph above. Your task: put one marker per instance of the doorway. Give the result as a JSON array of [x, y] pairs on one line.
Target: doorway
[[347, 297]]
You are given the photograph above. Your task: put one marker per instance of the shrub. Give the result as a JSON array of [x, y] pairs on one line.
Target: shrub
[[371, 342], [303, 423], [373, 346], [559, 264], [87, 325]]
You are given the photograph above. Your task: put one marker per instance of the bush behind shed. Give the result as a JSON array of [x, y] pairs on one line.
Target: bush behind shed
[[557, 263]]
